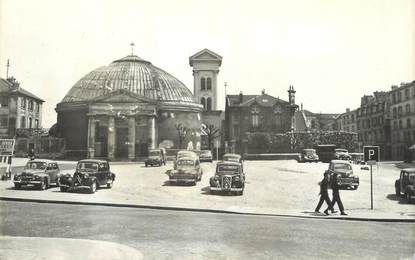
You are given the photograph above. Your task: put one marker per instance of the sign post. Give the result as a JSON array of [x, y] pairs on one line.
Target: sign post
[[6, 153], [371, 156]]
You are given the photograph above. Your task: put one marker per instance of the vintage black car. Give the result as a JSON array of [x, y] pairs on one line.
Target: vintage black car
[[308, 155], [229, 177], [187, 170], [345, 177], [155, 157], [406, 184], [40, 173], [90, 174]]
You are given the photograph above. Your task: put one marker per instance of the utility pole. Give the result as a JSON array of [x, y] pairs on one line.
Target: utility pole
[[7, 70]]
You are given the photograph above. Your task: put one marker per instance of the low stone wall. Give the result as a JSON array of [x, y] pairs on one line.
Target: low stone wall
[[271, 156]]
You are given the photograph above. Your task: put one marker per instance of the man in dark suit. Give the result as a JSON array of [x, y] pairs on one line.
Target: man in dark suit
[[324, 195], [336, 196]]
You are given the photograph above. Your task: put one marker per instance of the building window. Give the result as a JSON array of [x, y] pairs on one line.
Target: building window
[[408, 109], [395, 125], [407, 93], [408, 123], [4, 122], [255, 116], [36, 123], [23, 105], [203, 102], [30, 106], [400, 124], [394, 113], [37, 107], [208, 83], [4, 101], [23, 122], [30, 122], [202, 83], [208, 104], [399, 111], [399, 96]]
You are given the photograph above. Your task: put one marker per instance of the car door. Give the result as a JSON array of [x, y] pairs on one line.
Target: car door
[[404, 180]]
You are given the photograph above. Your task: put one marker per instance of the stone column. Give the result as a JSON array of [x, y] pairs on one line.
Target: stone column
[[152, 132], [131, 138], [91, 137], [111, 138]]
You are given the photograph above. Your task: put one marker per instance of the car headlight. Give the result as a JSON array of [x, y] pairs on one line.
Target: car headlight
[[37, 177]]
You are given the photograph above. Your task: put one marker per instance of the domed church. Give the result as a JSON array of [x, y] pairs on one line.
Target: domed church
[[121, 110]]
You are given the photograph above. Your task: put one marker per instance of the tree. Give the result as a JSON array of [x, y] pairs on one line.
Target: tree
[[182, 132], [212, 132]]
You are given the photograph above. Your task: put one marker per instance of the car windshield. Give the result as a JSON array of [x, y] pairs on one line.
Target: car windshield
[[227, 168], [341, 151], [205, 153], [341, 167], [185, 163], [87, 166], [154, 153], [231, 158], [36, 165]]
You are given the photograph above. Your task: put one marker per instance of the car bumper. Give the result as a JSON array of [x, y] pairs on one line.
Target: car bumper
[[185, 180], [223, 189], [23, 182]]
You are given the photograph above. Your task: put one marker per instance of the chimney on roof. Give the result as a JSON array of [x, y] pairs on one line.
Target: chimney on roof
[[241, 97], [347, 110], [263, 91], [394, 87], [301, 106], [291, 95]]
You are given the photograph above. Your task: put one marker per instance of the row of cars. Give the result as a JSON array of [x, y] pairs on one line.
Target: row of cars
[[229, 174], [310, 155], [89, 174]]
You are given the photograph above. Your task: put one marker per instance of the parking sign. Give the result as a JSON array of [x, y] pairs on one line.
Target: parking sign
[[371, 153]]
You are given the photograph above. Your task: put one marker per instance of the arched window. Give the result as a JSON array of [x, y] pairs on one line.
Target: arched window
[[399, 111], [408, 123], [394, 112], [208, 83], [202, 83], [400, 124], [30, 122], [408, 109], [208, 104], [203, 102]]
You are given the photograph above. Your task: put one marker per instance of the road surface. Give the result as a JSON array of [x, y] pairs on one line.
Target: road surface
[[160, 234]]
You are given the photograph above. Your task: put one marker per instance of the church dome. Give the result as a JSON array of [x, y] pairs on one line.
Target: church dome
[[133, 74]]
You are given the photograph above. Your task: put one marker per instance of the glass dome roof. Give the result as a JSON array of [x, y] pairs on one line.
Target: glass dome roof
[[130, 73]]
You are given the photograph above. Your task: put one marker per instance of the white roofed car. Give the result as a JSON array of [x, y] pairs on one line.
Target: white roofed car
[[344, 171]]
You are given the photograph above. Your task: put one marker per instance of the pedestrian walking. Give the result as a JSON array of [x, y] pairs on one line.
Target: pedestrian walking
[[336, 196], [324, 195], [31, 154]]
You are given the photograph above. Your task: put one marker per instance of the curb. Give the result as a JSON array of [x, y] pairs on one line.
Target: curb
[[202, 210]]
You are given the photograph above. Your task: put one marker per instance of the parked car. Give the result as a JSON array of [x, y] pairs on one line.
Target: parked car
[[206, 156], [345, 177], [232, 157], [90, 174], [187, 170], [325, 152], [155, 157], [308, 155], [342, 154], [229, 177], [406, 183], [40, 173], [184, 153]]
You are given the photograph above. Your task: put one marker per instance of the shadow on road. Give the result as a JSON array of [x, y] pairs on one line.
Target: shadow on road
[[168, 183], [400, 199], [402, 165]]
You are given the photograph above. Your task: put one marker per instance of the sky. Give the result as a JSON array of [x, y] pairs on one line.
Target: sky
[[332, 51]]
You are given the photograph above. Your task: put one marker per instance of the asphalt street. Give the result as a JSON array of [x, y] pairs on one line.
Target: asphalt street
[[161, 234]]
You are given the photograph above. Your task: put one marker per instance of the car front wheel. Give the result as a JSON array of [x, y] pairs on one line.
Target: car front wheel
[[17, 186], [93, 187], [43, 185], [109, 185], [63, 189]]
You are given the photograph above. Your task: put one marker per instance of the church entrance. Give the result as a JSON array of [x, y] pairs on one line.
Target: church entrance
[[121, 143]]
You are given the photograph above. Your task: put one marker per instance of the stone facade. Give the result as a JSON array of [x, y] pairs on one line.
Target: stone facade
[[256, 113], [347, 121], [19, 109], [402, 117]]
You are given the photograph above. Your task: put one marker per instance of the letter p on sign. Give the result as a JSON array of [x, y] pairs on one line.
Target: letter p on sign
[[371, 153]]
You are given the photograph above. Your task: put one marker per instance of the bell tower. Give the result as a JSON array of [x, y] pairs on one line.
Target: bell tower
[[206, 66]]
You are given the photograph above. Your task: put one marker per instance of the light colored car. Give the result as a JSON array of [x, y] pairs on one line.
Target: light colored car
[[40, 173], [342, 154], [187, 170], [206, 156], [308, 155]]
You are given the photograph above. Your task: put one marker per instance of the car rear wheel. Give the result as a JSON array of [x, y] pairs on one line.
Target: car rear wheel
[[93, 187], [109, 185], [408, 198], [17, 186], [146, 165]]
